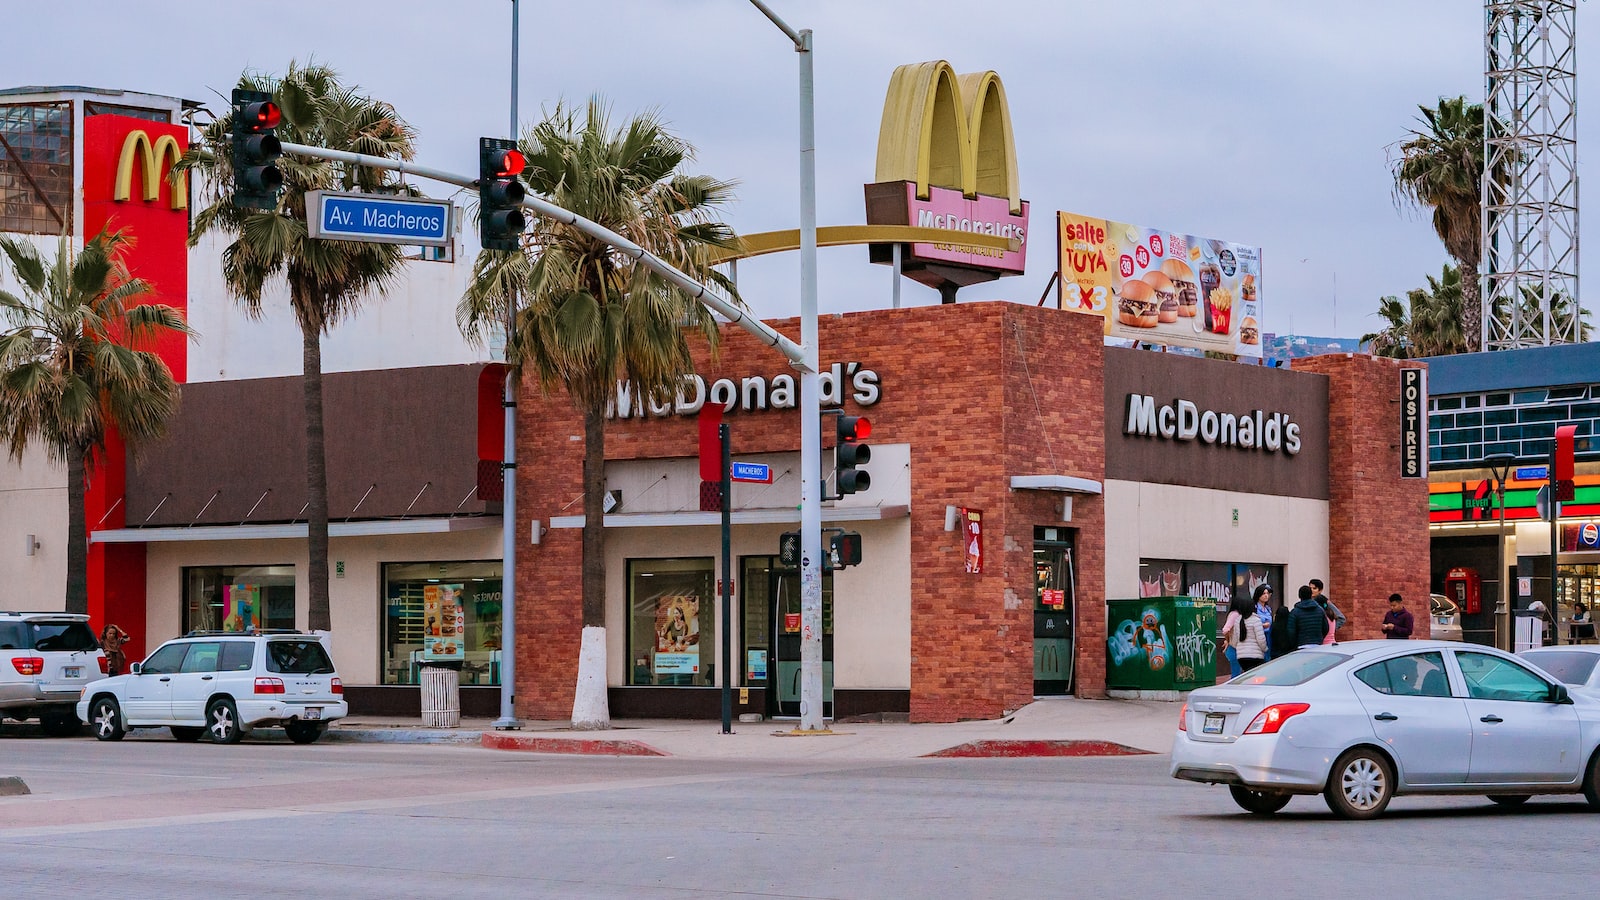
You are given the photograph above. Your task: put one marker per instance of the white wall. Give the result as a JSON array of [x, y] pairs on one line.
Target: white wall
[[33, 500], [356, 600], [1163, 521]]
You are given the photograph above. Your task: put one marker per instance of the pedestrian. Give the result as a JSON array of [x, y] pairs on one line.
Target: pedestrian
[[1251, 639], [1397, 622], [111, 640], [1263, 598], [1309, 624], [1335, 615], [1230, 637]]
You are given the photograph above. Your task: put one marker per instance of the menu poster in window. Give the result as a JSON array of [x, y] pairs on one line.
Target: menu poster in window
[[1214, 582], [443, 621], [972, 539], [1160, 578], [241, 607], [1246, 578], [678, 635]]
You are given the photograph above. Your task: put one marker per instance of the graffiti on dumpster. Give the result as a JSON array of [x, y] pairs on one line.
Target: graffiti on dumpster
[[1146, 638], [1195, 648]]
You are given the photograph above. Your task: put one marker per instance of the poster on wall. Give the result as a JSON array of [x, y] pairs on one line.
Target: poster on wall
[[1160, 286], [1160, 578], [443, 621], [677, 636], [972, 539], [241, 607]]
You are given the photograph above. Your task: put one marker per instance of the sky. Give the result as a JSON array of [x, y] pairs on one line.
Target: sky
[[1264, 122]]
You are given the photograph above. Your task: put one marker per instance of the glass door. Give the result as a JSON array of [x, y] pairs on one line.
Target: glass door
[[1053, 611], [783, 694]]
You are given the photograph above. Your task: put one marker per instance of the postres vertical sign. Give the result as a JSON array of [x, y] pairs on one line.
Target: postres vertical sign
[[1413, 423]]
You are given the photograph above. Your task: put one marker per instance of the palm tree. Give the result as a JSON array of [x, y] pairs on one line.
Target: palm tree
[[591, 315], [1441, 167], [328, 280], [1428, 323], [1394, 339], [76, 365]]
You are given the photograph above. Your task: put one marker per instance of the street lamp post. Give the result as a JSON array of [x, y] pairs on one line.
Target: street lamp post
[[508, 474], [811, 699], [1499, 465]]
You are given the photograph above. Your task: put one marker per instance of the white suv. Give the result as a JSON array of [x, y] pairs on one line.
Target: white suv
[[222, 684], [46, 659]]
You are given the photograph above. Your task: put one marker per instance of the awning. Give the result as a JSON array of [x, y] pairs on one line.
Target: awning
[[1068, 483], [369, 528], [739, 517]]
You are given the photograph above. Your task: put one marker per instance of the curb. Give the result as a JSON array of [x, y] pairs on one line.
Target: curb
[[581, 746], [1018, 749], [12, 786], [401, 736]]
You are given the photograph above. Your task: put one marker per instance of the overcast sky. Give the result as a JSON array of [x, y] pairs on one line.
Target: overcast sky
[[1265, 122]]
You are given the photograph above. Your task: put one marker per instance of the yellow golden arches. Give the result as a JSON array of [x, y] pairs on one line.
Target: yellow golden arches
[[946, 130], [843, 235], [138, 148]]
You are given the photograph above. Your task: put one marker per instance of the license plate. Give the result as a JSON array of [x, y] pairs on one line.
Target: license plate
[[72, 672], [1213, 725], [311, 712], [1442, 620]]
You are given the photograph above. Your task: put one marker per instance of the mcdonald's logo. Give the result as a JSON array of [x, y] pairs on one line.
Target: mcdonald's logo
[[138, 148], [941, 129]]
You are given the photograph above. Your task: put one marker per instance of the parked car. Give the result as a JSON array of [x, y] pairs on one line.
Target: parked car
[[1446, 618], [46, 658], [224, 685], [1576, 665], [1361, 722]]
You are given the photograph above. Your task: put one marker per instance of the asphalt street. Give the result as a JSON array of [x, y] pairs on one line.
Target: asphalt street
[[151, 818]]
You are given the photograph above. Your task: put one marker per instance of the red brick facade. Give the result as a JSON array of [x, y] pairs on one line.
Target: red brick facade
[[1377, 521]]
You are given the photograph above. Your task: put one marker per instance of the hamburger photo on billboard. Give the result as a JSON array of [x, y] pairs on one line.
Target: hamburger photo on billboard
[[1248, 332], [1166, 295], [1182, 278], [1137, 305], [1247, 290]]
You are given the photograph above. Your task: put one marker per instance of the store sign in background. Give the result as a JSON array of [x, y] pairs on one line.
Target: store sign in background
[[981, 214], [1219, 281], [1413, 423]]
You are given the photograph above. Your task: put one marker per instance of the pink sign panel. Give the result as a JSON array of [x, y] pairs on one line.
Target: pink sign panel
[[950, 209]]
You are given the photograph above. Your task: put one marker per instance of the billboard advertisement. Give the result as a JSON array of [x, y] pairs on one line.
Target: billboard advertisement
[[1160, 286]]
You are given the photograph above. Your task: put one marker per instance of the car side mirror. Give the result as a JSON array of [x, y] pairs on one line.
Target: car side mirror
[[1559, 694], [134, 669]]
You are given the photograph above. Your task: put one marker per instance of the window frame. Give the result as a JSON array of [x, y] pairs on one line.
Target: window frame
[[702, 567]]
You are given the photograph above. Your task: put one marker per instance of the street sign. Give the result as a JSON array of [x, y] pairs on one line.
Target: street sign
[[756, 473], [377, 219], [1532, 473]]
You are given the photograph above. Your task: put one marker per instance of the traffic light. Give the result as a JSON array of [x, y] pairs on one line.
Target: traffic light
[[255, 179], [500, 218], [846, 549], [849, 453]]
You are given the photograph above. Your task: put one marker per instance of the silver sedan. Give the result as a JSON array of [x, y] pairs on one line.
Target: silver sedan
[[1360, 722]]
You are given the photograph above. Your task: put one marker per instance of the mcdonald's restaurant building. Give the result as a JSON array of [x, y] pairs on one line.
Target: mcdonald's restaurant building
[[1077, 473]]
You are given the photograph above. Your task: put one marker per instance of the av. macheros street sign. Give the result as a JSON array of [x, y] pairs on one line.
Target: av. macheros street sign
[[759, 473], [379, 220]]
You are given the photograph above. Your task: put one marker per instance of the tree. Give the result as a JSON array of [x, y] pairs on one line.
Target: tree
[[1441, 167], [590, 315], [76, 365], [327, 280], [1428, 323]]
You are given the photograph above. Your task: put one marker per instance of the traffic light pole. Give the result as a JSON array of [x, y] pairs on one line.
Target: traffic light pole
[[508, 720]]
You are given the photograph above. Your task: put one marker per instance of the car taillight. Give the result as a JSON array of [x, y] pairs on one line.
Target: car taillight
[[1183, 718], [338, 686], [105, 667], [28, 665], [1269, 720], [269, 685]]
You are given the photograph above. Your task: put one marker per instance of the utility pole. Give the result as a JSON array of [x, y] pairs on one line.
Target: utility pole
[[508, 503]]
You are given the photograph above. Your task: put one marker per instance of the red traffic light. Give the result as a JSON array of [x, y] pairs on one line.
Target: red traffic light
[[508, 163], [261, 116], [854, 428]]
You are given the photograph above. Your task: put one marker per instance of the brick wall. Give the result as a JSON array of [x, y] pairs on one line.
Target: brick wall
[[1377, 521]]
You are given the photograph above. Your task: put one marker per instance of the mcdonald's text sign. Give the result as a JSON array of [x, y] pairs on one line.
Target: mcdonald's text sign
[[946, 208]]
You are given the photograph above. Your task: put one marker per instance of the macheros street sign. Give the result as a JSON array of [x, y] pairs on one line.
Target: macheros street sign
[[759, 473], [379, 219]]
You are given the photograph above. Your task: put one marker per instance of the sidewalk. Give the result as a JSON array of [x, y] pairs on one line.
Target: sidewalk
[[1053, 727]]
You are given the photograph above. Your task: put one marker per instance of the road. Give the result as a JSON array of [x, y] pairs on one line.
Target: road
[[152, 818]]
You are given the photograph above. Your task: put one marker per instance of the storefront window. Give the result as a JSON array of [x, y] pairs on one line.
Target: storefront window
[[238, 598], [670, 621], [407, 624], [1219, 582]]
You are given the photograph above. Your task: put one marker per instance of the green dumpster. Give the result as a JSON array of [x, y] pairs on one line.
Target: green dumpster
[[1161, 644]]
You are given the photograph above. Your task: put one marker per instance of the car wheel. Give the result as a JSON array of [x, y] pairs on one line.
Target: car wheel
[[1591, 782], [61, 725], [222, 722], [1360, 784], [304, 732], [187, 735], [1509, 799], [1262, 803], [106, 716]]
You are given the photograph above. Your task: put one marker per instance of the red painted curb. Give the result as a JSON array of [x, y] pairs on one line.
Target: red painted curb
[[582, 746], [1003, 749]]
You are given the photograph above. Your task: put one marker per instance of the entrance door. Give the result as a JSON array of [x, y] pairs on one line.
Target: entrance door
[[783, 674], [1053, 610]]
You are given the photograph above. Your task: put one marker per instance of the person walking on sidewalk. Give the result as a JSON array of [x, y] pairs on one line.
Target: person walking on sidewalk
[[1335, 615], [1309, 625], [1251, 639], [1397, 622]]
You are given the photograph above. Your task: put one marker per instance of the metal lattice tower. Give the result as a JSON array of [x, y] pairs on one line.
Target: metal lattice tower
[[1530, 181]]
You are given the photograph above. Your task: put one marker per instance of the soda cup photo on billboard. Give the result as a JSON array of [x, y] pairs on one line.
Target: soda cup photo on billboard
[[1162, 287]]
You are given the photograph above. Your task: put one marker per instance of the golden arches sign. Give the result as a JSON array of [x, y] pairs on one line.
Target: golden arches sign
[[946, 130], [137, 148]]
